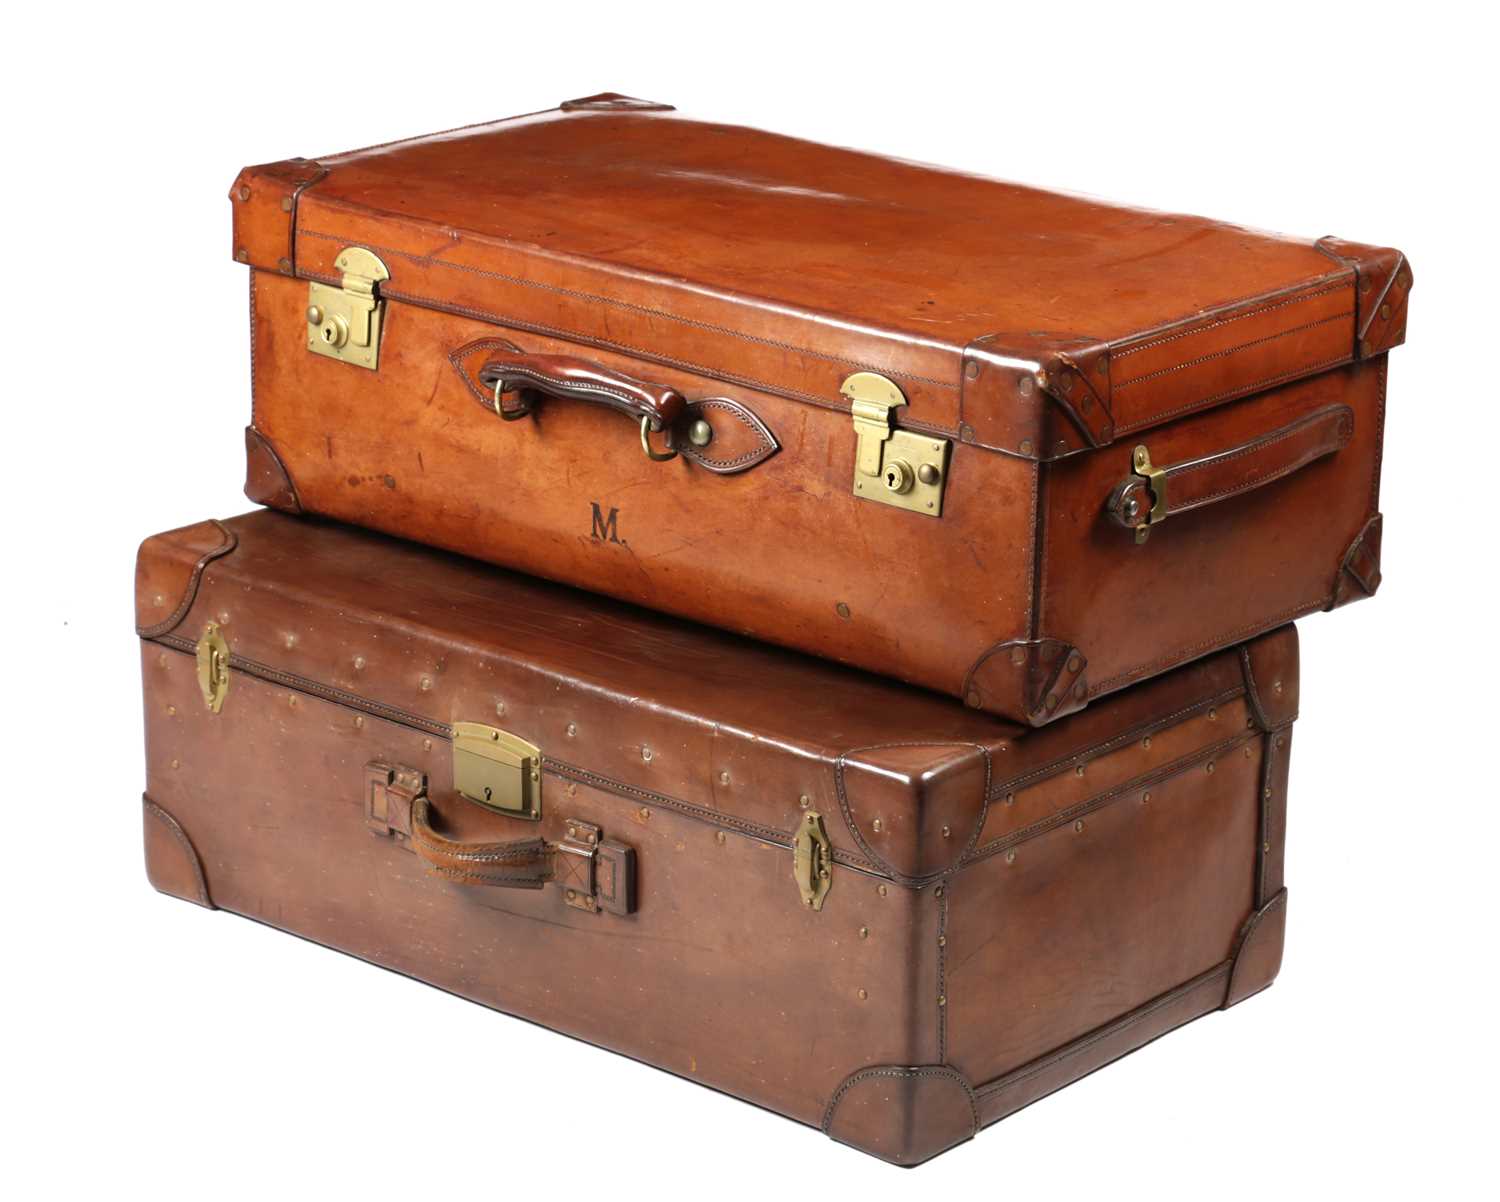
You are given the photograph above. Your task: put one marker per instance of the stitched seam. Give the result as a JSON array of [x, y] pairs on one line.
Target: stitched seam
[[1095, 750], [625, 305], [1233, 350], [1169, 771], [1295, 373], [254, 396], [1379, 438], [571, 385], [1119, 1025], [1116, 356], [900, 1074], [763, 444], [1251, 927], [176, 831], [1234, 636]]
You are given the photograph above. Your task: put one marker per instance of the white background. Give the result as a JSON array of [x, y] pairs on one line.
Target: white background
[[151, 1045]]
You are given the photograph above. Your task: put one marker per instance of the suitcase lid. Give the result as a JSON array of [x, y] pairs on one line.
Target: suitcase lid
[[908, 785], [787, 266]]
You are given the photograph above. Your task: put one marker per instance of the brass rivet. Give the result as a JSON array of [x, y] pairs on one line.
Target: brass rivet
[[571, 895], [1276, 688], [286, 204], [162, 659], [1247, 751], [1052, 700], [1266, 848], [720, 836], [1385, 311], [971, 369], [881, 890], [645, 812], [1017, 656], [426, 683], [1010, 857], [359, 662], [927, 474], [1280, 742], [938, 892], [177, 763], [359, 720], [499, 709], [242, 255], [572, 789], [1146, 743], [1213, 714], [1026, 446], [572, 729], [285, 265], [1365, 346], [1010, 799], [947, 832], [1075, 663], [942, 1000], [804, 801], [171, 710], [843, 610], [1078, 826], [1103, 365], [1266, 793], [700, 433], [314, 315], [292, 700], [876, 825], [863, 995], [1209, 767], [1249, 723], [158, 600], [942, 941], [572, 832], [723, 778], [646, 754], [1146, 796], [972, 699], [864, 932], [1078, 771], [426, 744], [290, 640], [1364, 284], [244, 192]]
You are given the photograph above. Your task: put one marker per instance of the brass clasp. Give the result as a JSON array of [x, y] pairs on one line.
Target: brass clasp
[[812, 860], [895, 467], [213, 667], [497, 769], [1156, 481], [344, 323]]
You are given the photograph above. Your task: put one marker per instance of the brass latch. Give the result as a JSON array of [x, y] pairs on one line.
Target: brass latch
[[1156, 481], [812, 860], [344, 323], [895, 467], [213, 667], [496, 769]]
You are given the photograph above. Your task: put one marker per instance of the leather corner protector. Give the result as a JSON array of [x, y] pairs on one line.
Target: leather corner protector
[[172, 863], [903, 1115], [1383, 282], [467, 361], [1359, 570], [1042, 679], [1257, 959], [168, 570], [1008, 380], [264, 200], [1270, 665], [614, 102], [267, 482]]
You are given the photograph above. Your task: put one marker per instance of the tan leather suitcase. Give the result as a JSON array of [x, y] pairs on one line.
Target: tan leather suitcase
[[470, 776], [905, 418]]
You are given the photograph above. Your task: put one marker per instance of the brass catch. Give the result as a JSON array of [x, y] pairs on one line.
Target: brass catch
[[895, 467], [344, 323], [496, 769], [812, 860], [213, 667], [1156, 481]]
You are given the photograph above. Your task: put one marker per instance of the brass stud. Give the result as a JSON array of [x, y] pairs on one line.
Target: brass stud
[[1146, 797], [724, 778], [1280, 742], [721, 836], [290, 640], [242, 255], [1052, 700], [876, 825], [1247, 751], [1078, 826], [972, 699], [1276, 688], [646, 754], [1265, 848], [571, 895], [881, 890], [942, 941], [572, 789], [572, 729], [161, 660], [864, 932], [1075, 663], [285, 265], [177, 763], [863, 995], [1026, 446], [1026, 385], [426, 683], [1365, 346], [947, 832], [1010, 857], [700, 433], [359, 663], [1078, 771], [286, 204], [292, 700], [843, 610], [426, 744], [942, 1000], [1010, 799], [171, 711], [804, 801], [499, 709], [938, 892], [1385, 311], [1213, 714], [1209, 767], [359, 721], [244, 192], [645, 811], [1146, 743], [971, 369]]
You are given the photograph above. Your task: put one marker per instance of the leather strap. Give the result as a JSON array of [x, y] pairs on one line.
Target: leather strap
[[521, 864], [566, 377], [1226, 474]]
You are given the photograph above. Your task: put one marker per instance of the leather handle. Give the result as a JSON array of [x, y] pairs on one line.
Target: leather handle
[[1153, 494], [566, 377], [518, 864]]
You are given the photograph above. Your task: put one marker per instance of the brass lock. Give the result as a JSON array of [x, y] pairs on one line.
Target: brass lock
[[497, 769], [895, 467], [344, 323]]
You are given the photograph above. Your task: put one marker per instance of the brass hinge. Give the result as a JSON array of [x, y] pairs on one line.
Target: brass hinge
[[213, 667], [895, 467], [344, 323], [812, 860], [497, 769]]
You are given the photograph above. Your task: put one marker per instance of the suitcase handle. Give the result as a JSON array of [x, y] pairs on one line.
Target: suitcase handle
[[1152, 494], [566, 377], [516, 864]]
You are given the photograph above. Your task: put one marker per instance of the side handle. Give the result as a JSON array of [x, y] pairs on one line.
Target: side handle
[[593, 873], [1152, 494]]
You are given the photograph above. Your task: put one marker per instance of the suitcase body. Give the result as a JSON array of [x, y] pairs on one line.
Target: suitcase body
[[1018, 447], [473, 777]]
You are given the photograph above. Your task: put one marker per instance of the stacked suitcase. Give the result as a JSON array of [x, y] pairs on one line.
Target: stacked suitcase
[[897, 433]]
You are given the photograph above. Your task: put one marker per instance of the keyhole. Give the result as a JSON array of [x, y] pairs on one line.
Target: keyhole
[[488, 793]]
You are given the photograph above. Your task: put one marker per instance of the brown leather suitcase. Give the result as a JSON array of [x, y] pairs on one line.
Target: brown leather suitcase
[[471, 776], [908, 419]]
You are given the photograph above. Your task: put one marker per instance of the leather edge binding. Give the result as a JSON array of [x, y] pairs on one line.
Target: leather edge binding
[[1257, 957], [187, 881], [1383, 280], [1359, 570], [267, 481], [190, 588]]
